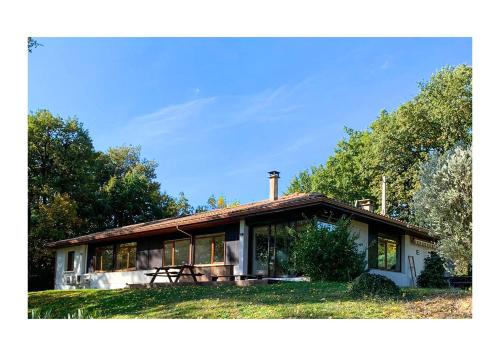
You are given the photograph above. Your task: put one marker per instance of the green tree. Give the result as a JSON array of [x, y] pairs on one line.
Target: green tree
[[443, 203], [60, 174], [74, 190], [396, 144], [130, 193], [216, 203]]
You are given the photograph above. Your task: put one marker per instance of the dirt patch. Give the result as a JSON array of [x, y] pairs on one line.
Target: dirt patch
[[442, 307]]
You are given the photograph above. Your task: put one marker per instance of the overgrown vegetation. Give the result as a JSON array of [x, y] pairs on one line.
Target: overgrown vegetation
[[432, 276], [327, 251], [374, 285], [284, 300]]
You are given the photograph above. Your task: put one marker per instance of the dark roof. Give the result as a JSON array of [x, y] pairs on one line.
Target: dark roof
[[287, 202]]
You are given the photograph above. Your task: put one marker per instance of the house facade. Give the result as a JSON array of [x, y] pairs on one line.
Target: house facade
[[247, 239]]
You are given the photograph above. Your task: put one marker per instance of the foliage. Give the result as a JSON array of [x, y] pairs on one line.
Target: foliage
[[60, 173], [130, 192], [269, 301], [74, 190], [216, 203], [396, 144], [374, 285], [444, 204], [432, 276], [327, 251], [32, 43]]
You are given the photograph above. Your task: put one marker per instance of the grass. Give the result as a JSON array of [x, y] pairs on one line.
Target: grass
[[282, 300]]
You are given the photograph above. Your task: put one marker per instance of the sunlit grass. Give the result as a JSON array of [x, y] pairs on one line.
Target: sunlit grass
[[282, 300]]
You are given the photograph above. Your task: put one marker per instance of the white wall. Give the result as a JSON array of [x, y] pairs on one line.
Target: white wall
[[242, 266], [361, 229], [114, 280], [80, 264]]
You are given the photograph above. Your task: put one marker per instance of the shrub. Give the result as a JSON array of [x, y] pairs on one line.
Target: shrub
[[374, 285], [328, 251], [432, 276]]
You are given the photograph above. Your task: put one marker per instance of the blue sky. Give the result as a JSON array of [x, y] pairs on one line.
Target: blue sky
[[217, 114]]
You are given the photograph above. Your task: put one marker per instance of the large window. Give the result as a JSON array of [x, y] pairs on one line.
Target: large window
[[387, 252], [271, 249], [70, 261], [103, 258], [176, 252], [209, 250], [126, 256]]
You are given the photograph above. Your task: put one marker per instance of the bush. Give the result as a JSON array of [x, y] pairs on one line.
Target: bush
[[432, 276], [374, 285], [328, 251]]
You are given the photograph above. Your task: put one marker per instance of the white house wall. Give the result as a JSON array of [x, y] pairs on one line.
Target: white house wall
[[114, 280], [80, 264], [361, 229]]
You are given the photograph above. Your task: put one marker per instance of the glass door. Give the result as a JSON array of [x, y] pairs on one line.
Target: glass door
[[271, 250], [261, 250]]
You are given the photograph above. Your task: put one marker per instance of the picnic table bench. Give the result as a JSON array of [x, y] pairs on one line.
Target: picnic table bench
[[174, 271], [241, 277]]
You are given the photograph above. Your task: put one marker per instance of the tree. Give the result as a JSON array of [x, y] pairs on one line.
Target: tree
[[327, 251], [130, 193], [443, 203], [32, 43], [74, 190], [396, 144], [216, 203], [60, 173]]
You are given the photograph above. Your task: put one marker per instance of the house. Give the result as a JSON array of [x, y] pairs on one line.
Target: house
[[246, 239]]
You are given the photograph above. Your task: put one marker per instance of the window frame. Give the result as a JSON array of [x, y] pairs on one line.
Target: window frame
[[385, 239], [172, 249], [212, 249], [113, 254], [72, 252], [116, 248]]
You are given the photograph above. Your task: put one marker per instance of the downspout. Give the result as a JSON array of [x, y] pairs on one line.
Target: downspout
[[184, 232]]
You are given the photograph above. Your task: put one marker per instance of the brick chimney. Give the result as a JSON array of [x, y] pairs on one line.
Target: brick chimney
[[273, 185], [366, 204]]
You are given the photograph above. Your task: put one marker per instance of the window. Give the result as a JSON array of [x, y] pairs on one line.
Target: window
[[388, 253], [176, 252], [126, 256], [70, 261], [209, 250], [272, 247], [104, 258]]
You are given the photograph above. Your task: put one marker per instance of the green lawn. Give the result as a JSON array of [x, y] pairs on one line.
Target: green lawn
[[282, 300]]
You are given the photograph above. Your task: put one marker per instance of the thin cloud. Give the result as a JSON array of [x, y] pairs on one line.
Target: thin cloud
[[202, 117], [167, 120]]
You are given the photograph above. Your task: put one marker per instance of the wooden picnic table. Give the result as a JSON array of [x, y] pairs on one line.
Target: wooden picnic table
[[174, 271]]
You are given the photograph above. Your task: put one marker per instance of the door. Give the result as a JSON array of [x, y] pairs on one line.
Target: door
[[271, 250]]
